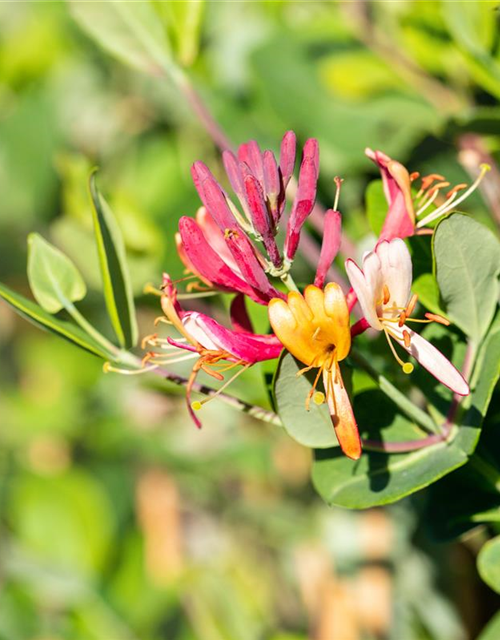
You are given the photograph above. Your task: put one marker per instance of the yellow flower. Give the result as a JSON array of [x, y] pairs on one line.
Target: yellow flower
[[314, 328]]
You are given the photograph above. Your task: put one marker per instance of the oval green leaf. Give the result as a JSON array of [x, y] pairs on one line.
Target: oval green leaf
[[488, 563], [114, 272], [467, 263], [36, 315], [131, 31], [54, 279]]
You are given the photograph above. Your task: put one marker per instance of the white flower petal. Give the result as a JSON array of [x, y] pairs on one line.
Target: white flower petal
[[395, 261], [433, 360], [194, 327], [365, 293]]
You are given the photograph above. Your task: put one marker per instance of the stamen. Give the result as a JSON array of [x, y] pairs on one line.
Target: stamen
[[107, 367], [426, 202], [406, 366], [456, 189], [410, 307], [197, 404], [162, 319], [311, 392], [438, 186], [444, 208], [428, 180], [414, 175], [167, 359], [406, 339], [386, 294], [316, 333], [434, 317], [338, 183], [150, 288], [402, 319], [149, 340]]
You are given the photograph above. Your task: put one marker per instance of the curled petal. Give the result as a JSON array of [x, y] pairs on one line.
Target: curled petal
[[287, 156], [330, 245], [240, 320], [261, 219], [272, 183], [247, 347], [342, 414], [251, 155], [216, 203], [233, 171], [207, 262], [432, 359]]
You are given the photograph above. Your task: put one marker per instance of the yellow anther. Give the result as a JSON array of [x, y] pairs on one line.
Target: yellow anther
[[408, 368], [318, 397]]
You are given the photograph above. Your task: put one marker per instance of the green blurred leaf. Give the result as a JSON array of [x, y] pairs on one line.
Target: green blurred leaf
[[115, 277], [66, 520], [54, 279], [492, 629], [184, 20], [131, 31], [467, 262], [376, 206], [425, 286], [488, 563], [38, 316]]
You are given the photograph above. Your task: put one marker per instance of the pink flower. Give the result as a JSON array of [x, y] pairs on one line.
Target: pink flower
[[209, 343], [383, 289], [218, 248], [405, 209]]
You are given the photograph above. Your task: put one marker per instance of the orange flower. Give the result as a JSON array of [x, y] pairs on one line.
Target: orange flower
[[314, 328]]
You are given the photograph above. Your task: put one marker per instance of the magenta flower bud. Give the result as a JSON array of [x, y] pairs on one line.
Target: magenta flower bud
[[304, 198], [287, 157], [272, 183], [330, 246], [261, 218], [216, 204], [235, 176], [250, 154], [246, 257]]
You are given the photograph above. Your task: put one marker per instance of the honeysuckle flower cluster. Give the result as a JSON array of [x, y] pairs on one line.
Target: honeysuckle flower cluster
[[231, 248]]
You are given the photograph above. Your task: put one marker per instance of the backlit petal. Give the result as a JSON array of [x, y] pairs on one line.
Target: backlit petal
[[342, 414], [364, 293]]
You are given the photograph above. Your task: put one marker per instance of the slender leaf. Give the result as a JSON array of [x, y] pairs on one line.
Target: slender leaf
[[467, 262], [39, 317], [131, 31], [492, 629], [114, 271], [54, 279]]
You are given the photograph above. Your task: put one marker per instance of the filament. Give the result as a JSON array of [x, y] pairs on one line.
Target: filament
[[197, 404]]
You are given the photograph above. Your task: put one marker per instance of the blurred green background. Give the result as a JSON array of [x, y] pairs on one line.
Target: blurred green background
[[118, 519]]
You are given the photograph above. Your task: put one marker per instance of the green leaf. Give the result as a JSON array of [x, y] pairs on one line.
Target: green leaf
[[35, 314], [184, 20], [54, 279], [492, 629], [467, 263], [376, 206], [131, 31], [311, 428], [115, 277], [488, 563]]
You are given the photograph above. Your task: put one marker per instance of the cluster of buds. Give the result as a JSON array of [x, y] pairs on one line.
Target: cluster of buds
[[219, 245]]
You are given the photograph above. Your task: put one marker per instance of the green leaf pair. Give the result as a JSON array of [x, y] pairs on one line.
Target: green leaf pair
[[56, 284]]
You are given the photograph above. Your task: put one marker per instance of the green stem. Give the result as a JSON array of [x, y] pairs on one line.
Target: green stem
[[400, 399], [289, 282], [92, 331]]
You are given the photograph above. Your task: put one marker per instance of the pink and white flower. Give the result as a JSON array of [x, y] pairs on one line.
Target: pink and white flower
[[383, 288]]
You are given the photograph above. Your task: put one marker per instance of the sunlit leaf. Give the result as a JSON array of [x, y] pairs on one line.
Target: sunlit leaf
[[114, 271], [376, 206], [467, 259], [488, 563], [54, 279]]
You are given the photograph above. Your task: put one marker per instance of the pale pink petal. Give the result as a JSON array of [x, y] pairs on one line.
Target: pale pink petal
[[395, 263], [433, 360], [364, 292]]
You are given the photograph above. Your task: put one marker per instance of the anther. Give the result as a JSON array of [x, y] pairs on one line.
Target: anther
[[410, 307], [434, 317], [402, 319], [428, 180], [456, 189], [318, 397], [406, 339], [438, 186], [338, 183], [386, 294], [414, 175]]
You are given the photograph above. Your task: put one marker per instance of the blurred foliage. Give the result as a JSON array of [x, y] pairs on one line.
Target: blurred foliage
[[119, 520]]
